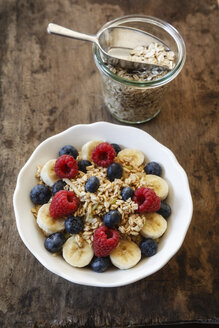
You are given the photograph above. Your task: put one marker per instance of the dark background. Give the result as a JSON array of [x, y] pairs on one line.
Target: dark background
[[49, 84]]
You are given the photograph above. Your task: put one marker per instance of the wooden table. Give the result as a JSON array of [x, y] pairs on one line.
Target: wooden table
[[49, 84]]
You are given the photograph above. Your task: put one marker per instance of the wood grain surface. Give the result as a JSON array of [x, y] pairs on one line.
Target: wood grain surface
[[49, 84]]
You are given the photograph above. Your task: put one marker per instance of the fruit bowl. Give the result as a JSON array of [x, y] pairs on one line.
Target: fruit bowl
[[179, 199]]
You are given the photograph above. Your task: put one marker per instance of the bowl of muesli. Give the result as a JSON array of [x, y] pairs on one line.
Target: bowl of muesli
[[102, 204]]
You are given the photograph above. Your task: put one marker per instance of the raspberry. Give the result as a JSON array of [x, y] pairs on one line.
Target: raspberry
[[147, 200], [66, 167], [104, 154], [105, 240], [63, 203]]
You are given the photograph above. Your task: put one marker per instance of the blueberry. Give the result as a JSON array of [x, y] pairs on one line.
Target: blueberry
[[148, 247], [116, 148], [92, 184], [112, 218], [114, 171], [165, 210], [40, 194], [54, 242], [82, 165], [100, 264], [74, 224], [127, 193], [58, 185], [69, 150], [153, 168]]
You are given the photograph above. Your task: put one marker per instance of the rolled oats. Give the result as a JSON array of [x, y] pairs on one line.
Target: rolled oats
[[155, 53], [135, 103]]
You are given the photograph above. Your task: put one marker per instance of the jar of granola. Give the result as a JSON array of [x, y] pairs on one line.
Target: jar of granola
[[137, 96]]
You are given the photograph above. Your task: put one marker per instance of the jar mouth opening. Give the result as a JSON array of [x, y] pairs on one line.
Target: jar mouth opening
[[153, 83]]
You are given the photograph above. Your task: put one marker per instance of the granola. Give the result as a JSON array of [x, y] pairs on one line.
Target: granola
[[107, 198]]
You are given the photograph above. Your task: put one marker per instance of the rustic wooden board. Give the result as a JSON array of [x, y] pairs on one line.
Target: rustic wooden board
[[49, 84]]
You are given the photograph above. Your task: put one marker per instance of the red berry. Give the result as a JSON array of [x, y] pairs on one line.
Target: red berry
[[105, 240], [147, 200], [104, 154], [66, 167], [63, 203]]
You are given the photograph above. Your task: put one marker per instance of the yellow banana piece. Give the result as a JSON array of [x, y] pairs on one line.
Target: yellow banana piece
[[154, 227], [48, 174], [47, 223], [126, 255], [132, 156], [158, 184], [75, 255]]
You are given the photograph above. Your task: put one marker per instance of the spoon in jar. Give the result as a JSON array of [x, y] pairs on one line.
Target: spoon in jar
[[116, 44]]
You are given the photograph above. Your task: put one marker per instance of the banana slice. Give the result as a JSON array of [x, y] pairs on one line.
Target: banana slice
[[132, 156], [47, 223], [86, 150], [154, 227], [158, 184], [126, 255], [48, 174], [75, 255]]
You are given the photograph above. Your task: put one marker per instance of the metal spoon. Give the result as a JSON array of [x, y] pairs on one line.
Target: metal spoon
[[115, 44]]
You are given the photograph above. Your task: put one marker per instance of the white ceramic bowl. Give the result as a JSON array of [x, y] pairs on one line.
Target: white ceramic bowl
[[179, 199]]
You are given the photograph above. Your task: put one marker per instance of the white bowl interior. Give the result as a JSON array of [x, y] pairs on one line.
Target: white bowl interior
[[179, 199]]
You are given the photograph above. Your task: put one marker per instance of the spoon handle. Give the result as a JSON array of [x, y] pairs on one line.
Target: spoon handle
[[63, 31]]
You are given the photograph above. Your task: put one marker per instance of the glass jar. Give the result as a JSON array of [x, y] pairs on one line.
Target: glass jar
[[132, 101]]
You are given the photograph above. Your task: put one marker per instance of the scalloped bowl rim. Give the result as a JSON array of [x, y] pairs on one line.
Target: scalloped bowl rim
[[113, 278]]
